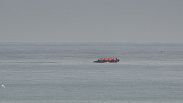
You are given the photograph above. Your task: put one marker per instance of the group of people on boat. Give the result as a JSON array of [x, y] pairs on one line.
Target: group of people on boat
[[110, 60]]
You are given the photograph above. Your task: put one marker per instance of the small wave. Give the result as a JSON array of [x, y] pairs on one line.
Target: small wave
[[152, 63], [27, 62]]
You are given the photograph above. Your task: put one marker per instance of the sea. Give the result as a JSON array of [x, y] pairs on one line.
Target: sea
[[64, 72]]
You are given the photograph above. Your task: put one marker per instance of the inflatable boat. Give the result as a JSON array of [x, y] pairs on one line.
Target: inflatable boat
[[109, 60]]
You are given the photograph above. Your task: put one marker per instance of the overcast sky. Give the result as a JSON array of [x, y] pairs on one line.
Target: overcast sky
[[91, 20]]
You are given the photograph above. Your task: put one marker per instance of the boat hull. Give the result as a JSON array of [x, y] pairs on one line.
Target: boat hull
[[105, 61]]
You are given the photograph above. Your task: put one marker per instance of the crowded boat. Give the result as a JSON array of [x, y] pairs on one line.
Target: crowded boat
[[105, 60]]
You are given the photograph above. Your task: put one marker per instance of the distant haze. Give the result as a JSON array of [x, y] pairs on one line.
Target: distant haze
[[91, 20]]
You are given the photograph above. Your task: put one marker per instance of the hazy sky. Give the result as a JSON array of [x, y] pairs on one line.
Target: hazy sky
[[91, 20]]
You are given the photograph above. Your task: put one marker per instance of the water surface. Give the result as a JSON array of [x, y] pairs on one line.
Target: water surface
[[65, 73]]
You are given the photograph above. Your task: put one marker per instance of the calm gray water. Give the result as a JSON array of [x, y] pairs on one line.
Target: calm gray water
[[64, 73]]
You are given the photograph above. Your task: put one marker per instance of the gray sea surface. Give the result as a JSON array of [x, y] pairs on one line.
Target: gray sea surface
[[65, 73]]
